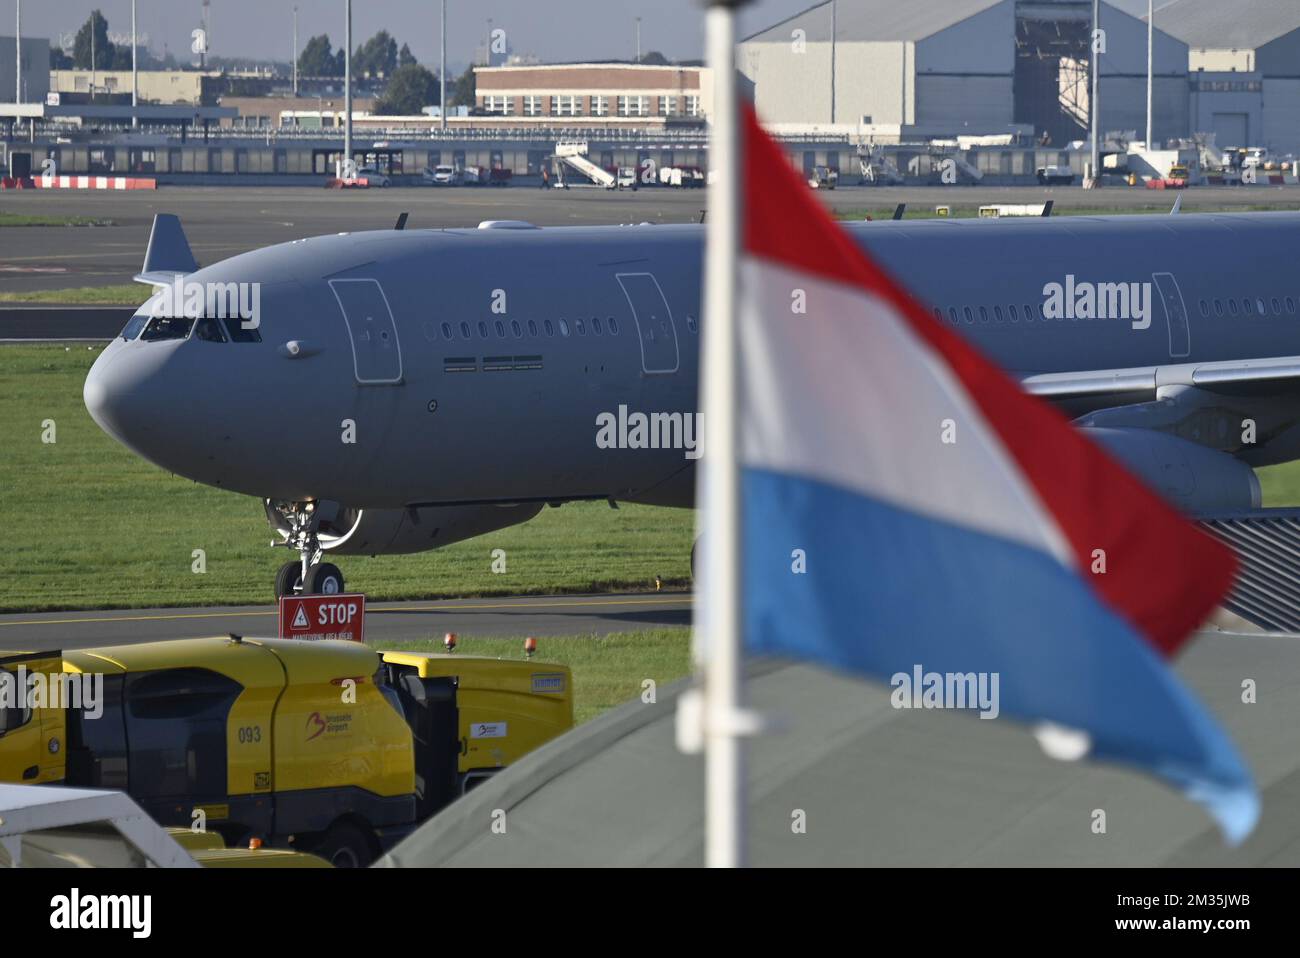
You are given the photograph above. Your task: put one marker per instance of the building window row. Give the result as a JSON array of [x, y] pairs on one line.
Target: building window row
[[569, 104]]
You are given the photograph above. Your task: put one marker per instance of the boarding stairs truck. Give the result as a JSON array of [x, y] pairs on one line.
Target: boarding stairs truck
[[574, 155]]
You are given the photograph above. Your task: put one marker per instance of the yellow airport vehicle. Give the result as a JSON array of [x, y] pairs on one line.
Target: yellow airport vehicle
[[326, 747]]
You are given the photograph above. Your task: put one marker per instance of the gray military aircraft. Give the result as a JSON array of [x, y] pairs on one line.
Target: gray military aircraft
[[405, 389]]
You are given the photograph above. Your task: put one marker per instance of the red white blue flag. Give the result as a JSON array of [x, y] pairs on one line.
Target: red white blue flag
[[947, 521]]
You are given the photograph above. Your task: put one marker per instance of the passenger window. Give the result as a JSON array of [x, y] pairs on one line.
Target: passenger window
[[500, 328], [1277, 307], [613, 325], [1015, 314], [984, 314], [580, 327], [482, 330], [969, 313], [1290, 306], [1218, 307], [532, 327], [549, 327], [1232, 307], [516, 329], [564, 328], [997, 314], [1247, 307], [464, 330], [208, 330], [595, 325], [691, 324], [938, 315], [1263, 310], [237, 333], [1205, 308], [1030, 313], [952, 315], [446, 331]]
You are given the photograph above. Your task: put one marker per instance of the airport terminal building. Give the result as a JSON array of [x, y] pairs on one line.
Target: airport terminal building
[[1004, 85]]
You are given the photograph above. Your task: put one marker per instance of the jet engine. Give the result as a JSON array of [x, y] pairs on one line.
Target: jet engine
[[1198, 480], [347, 531]]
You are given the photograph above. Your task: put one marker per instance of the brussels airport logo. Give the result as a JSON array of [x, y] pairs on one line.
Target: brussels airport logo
[[1130, 302], [318, 724], [920, 689], [22, 692], [188, 299], [656, 430]]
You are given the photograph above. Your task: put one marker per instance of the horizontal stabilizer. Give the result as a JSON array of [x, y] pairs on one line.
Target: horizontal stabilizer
[[168, 254]]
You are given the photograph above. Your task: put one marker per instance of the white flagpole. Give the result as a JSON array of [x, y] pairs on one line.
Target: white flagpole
[[720, 474]]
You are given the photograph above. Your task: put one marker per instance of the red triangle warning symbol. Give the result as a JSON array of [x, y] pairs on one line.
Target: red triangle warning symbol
[[300, 619]]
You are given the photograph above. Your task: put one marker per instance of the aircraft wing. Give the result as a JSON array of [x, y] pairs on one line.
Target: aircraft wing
[[1234, 377]]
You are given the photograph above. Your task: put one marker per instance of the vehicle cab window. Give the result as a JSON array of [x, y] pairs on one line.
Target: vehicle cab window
[[12, 716]]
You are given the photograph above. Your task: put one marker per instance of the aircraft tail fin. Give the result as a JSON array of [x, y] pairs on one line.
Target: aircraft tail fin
[[168, 254]]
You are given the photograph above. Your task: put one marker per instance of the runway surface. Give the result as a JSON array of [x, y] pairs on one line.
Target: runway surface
[[385, 621], [222, 221], [62, 323]]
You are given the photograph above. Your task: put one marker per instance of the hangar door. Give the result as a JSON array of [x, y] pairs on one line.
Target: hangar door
[[1231, 129], [376, 353], [654, 322]]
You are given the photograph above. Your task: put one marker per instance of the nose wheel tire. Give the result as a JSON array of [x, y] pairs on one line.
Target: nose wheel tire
[[323, 579], [288, 581]]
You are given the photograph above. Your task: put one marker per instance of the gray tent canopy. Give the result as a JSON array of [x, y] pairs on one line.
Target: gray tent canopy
[[876, 785]]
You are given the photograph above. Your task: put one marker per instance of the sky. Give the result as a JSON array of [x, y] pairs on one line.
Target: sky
[[554, 30]]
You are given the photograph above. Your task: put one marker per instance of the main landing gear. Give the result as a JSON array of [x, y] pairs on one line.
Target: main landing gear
[[306, 575]]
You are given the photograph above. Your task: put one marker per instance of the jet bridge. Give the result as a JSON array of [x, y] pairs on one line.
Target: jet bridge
[[574, 155]]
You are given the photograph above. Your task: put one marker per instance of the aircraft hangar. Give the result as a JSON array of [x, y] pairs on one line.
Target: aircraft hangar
[[950, 67], [1243, 67]]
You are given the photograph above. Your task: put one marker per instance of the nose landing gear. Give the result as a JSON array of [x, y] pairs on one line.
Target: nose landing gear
[[307, 575]]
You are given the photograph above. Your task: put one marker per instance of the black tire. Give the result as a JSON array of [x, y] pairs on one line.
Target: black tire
[[289, 579], [323, 579], [346, 845]]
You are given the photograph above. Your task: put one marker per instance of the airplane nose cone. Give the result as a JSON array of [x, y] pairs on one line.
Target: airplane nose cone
[[99, 394], [119, 394]]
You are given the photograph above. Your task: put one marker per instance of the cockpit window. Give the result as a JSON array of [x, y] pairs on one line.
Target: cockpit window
[[238, 334], [209, 330], [133, 326], [167, 327]]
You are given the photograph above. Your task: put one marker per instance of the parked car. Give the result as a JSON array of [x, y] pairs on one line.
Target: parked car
[[373, 177], [443, 176]]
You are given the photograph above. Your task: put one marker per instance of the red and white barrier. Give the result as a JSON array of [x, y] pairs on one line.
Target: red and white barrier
[[79, 183]]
